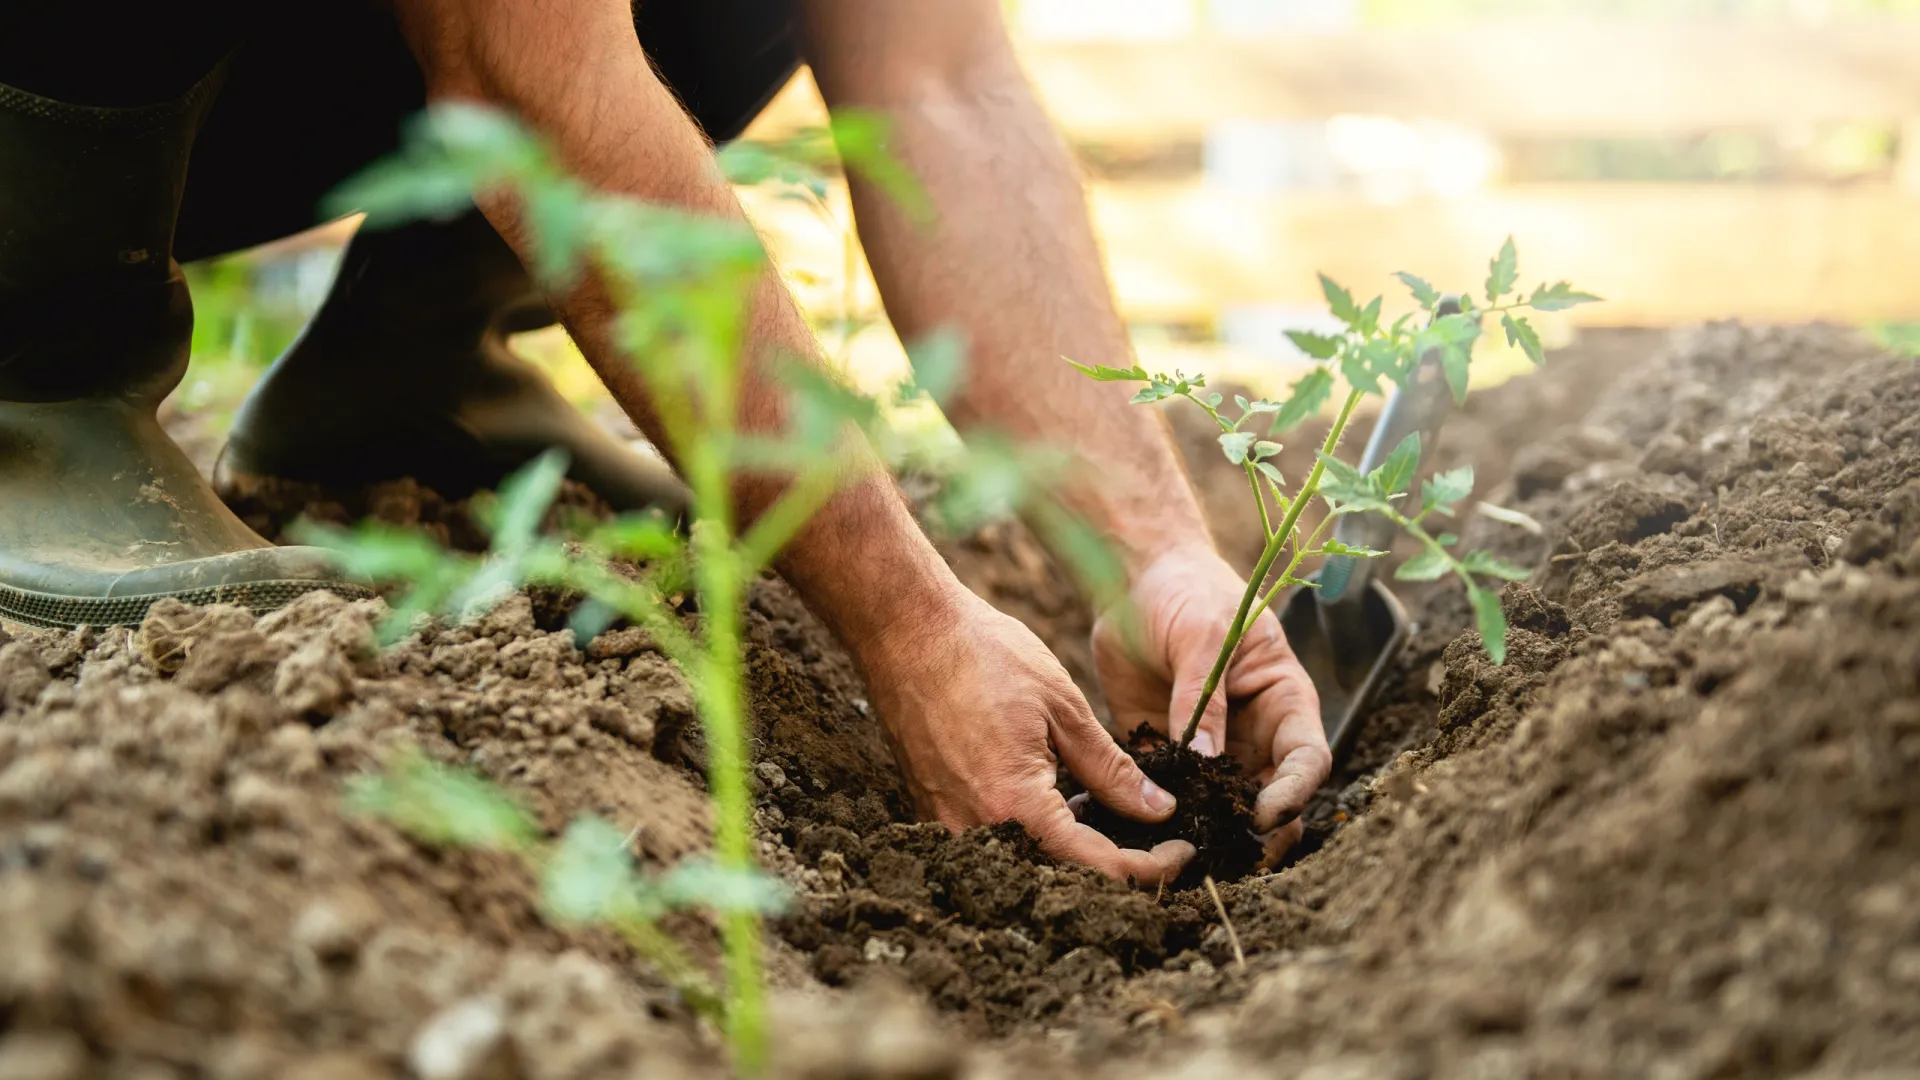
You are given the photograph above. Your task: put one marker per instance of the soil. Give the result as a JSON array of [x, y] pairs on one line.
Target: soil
[[1215, 812], [1674, 835]]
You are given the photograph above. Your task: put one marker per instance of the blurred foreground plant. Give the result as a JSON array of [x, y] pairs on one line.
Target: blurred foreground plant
[[1363, 354], [682, 286]]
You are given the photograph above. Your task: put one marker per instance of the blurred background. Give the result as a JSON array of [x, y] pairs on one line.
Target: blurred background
[[1686, 159]]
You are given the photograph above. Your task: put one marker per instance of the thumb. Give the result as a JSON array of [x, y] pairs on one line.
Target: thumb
[[1188, 680], [1109, 774]]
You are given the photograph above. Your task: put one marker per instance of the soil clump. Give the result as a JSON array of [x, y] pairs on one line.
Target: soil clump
[[1215, 811]]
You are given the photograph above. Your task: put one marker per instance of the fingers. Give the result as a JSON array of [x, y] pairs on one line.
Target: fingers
[[1109, 774], [1063, 838], [1188, 681], [1295, 779], [1277, 843]]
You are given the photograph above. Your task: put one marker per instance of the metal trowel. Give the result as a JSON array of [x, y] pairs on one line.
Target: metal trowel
[[1347, 631]]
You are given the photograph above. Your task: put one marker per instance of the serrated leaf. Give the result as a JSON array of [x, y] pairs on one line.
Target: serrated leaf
[[1502, 272], [1236, 444], [1511, 517], [1342, 481], [589, 876], [1318, 346], [1559, 296], [1309, 393], [1521, 332], [1426, 566], [1395, 473], [1491, 565], [1102, 373], [1491, 621], [1266, 449], [1444, 489], [1423, 294], [1336, 547], [1260, 407], [1340, 301]]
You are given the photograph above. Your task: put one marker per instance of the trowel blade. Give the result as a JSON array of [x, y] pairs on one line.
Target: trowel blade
[[1345, 649]]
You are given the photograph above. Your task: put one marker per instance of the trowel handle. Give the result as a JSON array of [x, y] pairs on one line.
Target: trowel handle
[[1421, 405]]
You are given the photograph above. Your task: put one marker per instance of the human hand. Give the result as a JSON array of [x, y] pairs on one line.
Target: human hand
[[976, 708], [1265, 712]]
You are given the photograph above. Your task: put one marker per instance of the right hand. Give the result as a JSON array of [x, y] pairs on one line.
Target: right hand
[[977, 707]]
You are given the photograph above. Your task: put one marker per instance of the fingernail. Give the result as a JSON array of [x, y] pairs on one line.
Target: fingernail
[[1202, 744], [1156, 797]]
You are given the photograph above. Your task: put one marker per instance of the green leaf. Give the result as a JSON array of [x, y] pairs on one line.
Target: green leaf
[[1370, 316], [1309, 393], [1511, 517], [1341, 301], [439, 805], [1444, 489], [1318, 346], [523, 500], [1446, 539], [1359, 373], [706, 884], [1559, 297], [1261, 407], [589, 877], [1335, 547], [863, 138], [1395, 473], [1101, 373], [1423, 294], [1491, 565], [937, 361], [1491, 621], [1086, 551], [1502, 272], [1342, 481], [1272, 473], [1213, 401], [822, 407], [1266, 449], [1521, 332], [1430, 564], [1235, 445], [642, 535]]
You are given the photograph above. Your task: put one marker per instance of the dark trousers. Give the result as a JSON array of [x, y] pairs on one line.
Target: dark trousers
[[319, 88]]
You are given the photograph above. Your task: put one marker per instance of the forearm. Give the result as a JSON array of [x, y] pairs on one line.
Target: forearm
[[572, 70], [1011, 262]]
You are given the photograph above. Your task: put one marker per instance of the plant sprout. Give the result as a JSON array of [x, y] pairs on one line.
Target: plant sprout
[[1363, 355]]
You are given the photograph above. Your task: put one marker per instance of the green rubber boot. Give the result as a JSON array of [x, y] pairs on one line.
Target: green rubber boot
[[100, 513], [405, 372]]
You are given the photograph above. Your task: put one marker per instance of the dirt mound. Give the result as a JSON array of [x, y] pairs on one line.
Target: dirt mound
[[1674, 834]]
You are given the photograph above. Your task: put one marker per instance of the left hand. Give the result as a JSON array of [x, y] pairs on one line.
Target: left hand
[[1265, 711]]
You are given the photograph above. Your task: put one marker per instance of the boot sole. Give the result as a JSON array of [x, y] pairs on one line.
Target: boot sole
[[51, 611]]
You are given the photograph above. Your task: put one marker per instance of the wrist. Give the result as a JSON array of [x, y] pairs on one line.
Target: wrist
[[867, 571]]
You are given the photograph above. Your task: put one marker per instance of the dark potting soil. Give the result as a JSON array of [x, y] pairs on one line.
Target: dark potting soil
[[1215, 812]]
